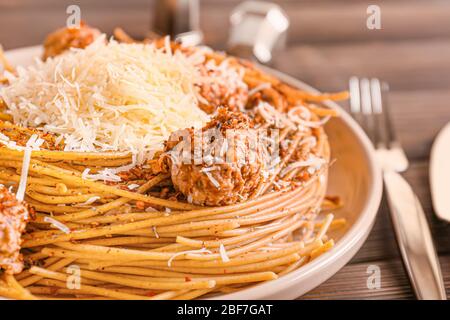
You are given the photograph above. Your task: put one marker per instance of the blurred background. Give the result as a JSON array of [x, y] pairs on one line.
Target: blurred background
[[328, 41]]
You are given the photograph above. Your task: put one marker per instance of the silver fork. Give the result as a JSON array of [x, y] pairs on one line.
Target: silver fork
[[370, 107]]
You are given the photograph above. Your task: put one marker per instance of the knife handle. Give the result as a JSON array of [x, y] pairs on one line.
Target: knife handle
[[414, 238]]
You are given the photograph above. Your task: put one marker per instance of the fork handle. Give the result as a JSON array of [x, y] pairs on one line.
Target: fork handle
[[414, 238]]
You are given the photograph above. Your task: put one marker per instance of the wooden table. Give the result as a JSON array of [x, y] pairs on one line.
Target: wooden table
[[328, 43]]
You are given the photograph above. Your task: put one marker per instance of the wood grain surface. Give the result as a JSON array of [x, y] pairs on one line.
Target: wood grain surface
[[328, 42]]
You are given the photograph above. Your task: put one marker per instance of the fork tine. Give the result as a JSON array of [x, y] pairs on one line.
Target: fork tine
[[375, 89], [355, 101], [366, 108], [366, 103], [391, 135], [392, 143], [381, 130], [370, 108]]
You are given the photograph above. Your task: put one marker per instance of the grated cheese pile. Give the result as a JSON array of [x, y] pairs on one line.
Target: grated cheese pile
[[108, 97]]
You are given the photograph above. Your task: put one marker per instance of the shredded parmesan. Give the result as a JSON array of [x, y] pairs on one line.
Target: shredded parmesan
[[10, 144], [223, 253], [315, 124], [88, 202], [109, 96], [301, 116], [229, 76], [272, 116], [133, 186], [182, 253], [106, 174], [310, 141], [57, 224], [262, 86], [32, 144], [312, 162], [155, 232], [299, 113], [208, 169], [212, 179], [326, 223], [24, 174]]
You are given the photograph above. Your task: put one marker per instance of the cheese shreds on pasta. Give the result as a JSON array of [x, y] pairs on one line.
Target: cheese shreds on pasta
[[223, 253], [182, 253], [32, 144], [108, 97], [58, 225]]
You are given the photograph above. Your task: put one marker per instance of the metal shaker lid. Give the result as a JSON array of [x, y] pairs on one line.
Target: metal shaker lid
[[257, 29]]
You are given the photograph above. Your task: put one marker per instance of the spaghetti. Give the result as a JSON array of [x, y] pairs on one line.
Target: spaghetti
[[141, 238]]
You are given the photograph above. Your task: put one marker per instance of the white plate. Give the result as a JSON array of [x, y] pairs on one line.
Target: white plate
[[354, 176]]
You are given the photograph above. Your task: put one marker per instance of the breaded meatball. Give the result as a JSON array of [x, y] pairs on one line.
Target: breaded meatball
[[65, 38], [13, 218], [231, 164]]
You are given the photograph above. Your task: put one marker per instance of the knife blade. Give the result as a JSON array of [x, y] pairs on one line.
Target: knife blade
[[440, 174]]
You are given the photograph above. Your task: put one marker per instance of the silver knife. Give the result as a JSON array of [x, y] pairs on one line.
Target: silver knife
[[440, 174]]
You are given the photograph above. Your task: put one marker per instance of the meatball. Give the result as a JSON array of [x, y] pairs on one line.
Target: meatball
[[65, 38], [230, 166], [13, 218]]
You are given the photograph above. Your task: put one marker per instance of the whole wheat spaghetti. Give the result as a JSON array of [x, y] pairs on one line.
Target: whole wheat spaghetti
[[135, 224]]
